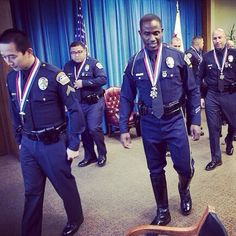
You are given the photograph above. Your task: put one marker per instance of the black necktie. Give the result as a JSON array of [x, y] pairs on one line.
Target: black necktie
[[157, 102]]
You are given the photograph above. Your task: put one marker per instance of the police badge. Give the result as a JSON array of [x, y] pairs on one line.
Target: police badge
[[230, 58], [86, 68], [170, 62], [43, 83]]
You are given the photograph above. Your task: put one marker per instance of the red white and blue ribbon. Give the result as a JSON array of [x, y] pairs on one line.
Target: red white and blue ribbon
[[153, 75], [23, 95], [78, 72], [223, 62]]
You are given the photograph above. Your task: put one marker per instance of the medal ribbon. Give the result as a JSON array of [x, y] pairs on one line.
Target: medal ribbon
[[200, 57], [153, 76], [78, 72], [223, 62], [23, 95]]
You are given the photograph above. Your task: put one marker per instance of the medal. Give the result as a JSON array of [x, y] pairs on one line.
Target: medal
[[153, 75], [76, 74], [22, 95], [153, 92], [223, 63], [22, 116], [222, 76]]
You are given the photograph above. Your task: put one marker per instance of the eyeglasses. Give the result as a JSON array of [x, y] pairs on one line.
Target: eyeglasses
[[76, 52]]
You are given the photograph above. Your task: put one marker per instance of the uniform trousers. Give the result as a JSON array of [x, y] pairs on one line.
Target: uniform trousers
[[39, 161], [217, 103], [157, 134], [93, 114]]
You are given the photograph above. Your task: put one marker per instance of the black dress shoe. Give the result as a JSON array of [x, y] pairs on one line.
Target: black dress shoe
[[86, 162], [70, 229], [229, 149], [163, 217], [102, 160], [212, 165]]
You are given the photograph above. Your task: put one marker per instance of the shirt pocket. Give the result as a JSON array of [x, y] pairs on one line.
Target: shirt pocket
[[142, 81]]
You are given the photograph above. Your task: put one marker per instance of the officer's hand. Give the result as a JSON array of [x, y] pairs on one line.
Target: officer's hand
[[195, 132], [202, 103], [78, 84], [71, 154], [125, 140], [19, 146]]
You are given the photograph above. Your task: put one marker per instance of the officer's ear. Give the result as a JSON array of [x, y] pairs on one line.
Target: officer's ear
[[29, 51]]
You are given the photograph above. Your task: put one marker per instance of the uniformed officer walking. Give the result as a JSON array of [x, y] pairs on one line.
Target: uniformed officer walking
[[194, 54], [218, 69], [88, 77], [38, 94], [162, 76]]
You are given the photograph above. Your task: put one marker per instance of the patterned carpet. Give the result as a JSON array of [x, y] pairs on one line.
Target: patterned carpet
[[119, 195]]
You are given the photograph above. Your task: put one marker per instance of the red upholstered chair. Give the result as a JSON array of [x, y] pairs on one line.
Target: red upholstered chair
[[112, 99]]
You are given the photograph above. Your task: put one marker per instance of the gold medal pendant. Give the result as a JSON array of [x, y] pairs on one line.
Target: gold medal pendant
[[153, 92]]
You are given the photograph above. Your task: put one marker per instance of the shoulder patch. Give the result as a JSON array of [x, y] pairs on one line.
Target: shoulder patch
[[186, 59], [99, 65], [189, 54], [62, 78]]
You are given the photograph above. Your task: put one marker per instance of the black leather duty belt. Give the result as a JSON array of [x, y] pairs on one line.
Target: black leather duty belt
[[230, 88], [91, 99], [48, 135], [170, 110]]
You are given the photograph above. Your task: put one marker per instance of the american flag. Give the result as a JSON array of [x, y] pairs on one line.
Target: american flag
[[80, 28]]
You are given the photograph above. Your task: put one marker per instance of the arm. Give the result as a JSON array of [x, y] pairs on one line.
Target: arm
[[193, 97], [67, 94], [127, 96], [14, 110]]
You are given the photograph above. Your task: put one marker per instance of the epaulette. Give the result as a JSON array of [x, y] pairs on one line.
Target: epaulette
[[50, 67]]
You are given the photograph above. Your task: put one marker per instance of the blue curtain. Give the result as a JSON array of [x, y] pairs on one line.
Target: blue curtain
[[111, 27]]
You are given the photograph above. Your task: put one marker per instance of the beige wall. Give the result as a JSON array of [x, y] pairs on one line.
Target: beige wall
[[223, 15]]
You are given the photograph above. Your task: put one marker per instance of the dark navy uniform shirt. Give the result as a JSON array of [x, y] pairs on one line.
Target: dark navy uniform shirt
[[176, 80], [195, 57], [45, 106], [92, 75], [209, 71]]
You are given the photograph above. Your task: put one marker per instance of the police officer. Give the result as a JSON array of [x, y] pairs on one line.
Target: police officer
[[218, 69], [88, 77], [38, 94], [194, 54], [162, 76], [175, 42]]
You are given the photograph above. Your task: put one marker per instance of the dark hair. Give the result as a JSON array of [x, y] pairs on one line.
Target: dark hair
[[148, 18], [19, 38], [78, 43]]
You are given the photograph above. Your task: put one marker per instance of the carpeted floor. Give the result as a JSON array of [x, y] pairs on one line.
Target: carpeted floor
[[119, 195]]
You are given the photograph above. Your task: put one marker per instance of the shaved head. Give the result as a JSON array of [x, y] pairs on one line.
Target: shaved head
[[219, 38]]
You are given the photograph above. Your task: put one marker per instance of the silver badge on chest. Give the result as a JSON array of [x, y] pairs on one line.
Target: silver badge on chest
[[43, 83], [170, 62], [86, 68], [230, 58]]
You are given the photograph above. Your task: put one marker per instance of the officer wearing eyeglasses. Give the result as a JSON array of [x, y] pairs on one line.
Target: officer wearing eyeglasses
[[88, 77]]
